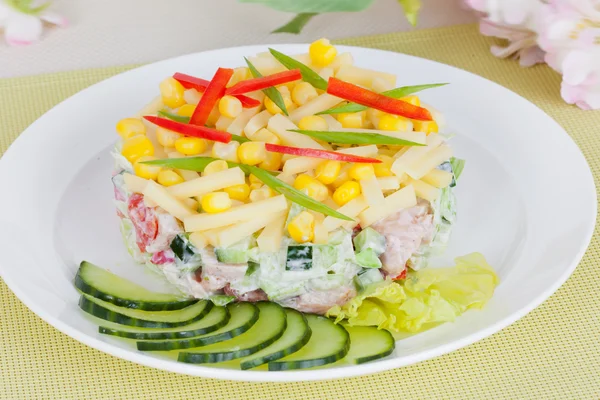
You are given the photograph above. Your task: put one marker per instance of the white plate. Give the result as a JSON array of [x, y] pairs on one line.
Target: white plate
[[526, 201]]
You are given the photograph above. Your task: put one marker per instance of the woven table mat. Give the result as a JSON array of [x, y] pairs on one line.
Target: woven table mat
[[552, 353]]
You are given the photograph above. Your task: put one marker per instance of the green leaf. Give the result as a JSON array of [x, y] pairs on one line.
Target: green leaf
[[296, 24], [271, 92], [313, 6], [308, 75], [411, 10], [394, 93], [293, 194], [185, 120], [355, 137], [457, 167]]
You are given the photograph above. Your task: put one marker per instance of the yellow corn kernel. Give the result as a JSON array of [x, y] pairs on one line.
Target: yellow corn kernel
[[389, 122], [226, 151], [186, 110], [313, 187], [274, 109], [322, 53], [261, 193], [385, 167], [166, 137], [129, 127], [265, 135], [215, 202], [171, 92], [414, 100], [303, 92], [136, 147], [190, 146], [214, 115], [146, 171], [215, 166], [351, 120], [425, 126], [239, 74], [359, 171], [313, 123], [230, 106], [272, 162], [301, 227], [238, 192], [346, 192], [328, 171], [252, 153], [168, 177]]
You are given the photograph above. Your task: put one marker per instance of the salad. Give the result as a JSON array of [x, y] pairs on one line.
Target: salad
[[300, 181]]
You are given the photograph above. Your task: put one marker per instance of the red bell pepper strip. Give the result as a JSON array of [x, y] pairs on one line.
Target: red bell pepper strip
[[264, 82], [190, 130], [325, 154], [214, 91], [191, 82], [356, 94]]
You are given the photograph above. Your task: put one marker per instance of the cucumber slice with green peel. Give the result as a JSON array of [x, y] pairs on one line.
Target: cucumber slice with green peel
[[104, 285], [242, 316], [215, 319], [329, 342], [147, 319], [270, 326], [294, 338], [368, 343]]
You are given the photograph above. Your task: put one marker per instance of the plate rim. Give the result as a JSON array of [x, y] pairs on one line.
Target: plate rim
[[308, 375]]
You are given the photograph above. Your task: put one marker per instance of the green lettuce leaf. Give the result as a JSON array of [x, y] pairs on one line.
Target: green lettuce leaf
[[427, 297]]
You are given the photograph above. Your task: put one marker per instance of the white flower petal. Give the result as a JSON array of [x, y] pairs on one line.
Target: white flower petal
[[576, 67], [22, 29]]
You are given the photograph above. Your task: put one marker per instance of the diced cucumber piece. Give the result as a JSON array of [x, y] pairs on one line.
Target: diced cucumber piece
[[367, 343], [236, 253], [368, 259], [242, 317], [367, 277], [221, 299], [369, 238], [299, 258], [215, 319], [329, 342], [147, 319], [296, 335], [270, 326], [106, 286], [187, 257]]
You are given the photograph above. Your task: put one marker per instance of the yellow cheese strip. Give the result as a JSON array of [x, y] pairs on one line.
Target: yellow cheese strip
[[269, 239], [134, 183], [332, 123], [166, 201], [403, 198], [316, 105], [372, 192], [321, 235], [190, 203], [285, 177], [208, 183], [341, 60], [433, 158], [250, 211], [280, 125], [267, 65], [256, 123], [413, 154], [438, 178], [232, 234], [364, 77], [389, 183], [198, 240], [424, 190], [223, 123], [351, 209], [297, 165], [238, 124]]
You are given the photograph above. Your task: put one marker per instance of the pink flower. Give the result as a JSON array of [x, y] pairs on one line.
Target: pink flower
[[22, 20]]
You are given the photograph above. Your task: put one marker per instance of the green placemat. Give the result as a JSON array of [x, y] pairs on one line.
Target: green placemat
[[552, 353]]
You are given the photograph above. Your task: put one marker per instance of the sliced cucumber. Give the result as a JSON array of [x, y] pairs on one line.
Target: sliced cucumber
[[215, 319], [100, 283], [329, 342], [270, 326], [296, 335], [146, 319], [367, 343], [242, 317]]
